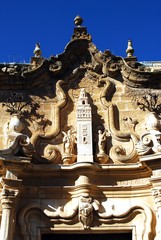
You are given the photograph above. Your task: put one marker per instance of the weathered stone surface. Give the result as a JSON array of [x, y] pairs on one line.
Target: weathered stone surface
[[80, 144]]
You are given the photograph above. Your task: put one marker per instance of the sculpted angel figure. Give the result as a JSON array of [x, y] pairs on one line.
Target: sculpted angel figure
[[101, 141], [69, 141]]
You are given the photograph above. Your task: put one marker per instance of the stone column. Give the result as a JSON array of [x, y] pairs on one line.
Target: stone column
[[8, 202], [157, 199]]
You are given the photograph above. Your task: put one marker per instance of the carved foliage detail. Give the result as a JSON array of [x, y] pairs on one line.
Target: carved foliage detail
[[146, 100]]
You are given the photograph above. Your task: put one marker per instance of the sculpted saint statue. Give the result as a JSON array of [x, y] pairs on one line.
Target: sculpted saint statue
[[101, 141]]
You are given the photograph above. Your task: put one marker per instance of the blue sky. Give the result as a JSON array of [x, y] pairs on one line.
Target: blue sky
[[50, 22]]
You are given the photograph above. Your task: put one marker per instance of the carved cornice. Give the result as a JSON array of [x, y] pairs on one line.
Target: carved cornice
[[134, 77]]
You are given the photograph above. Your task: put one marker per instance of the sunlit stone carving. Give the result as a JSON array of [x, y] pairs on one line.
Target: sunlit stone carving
[[84, 129]]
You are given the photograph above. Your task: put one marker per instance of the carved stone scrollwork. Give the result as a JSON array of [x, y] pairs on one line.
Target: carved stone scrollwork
[[51, 154], [14, 139], [111, 215], [118, 153], [146, 100], [55, 67], [80, 32], [83, 205], [18, 140], [116, 134], [150, 141], [139, 75], [107, 92]]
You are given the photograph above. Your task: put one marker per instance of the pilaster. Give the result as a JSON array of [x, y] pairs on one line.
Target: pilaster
[[8, 201], [157, 200]]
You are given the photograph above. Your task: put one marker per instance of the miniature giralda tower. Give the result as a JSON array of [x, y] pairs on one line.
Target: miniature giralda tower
[[84, 129]]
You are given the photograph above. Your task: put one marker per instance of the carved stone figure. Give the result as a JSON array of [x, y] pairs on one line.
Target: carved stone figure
[[84, 205], [102, 157], [52, 185], [69, 141], [101, 141], [85, 211]]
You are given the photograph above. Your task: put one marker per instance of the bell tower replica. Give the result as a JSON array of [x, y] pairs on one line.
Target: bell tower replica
[[80, 145], [84, 129]]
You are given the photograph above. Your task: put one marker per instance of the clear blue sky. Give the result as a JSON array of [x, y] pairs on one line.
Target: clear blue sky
[[50, 22]]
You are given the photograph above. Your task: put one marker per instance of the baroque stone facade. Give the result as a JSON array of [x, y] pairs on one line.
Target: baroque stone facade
[[80, 146]]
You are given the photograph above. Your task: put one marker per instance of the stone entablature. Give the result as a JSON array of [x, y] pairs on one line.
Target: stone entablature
[[80, 143]]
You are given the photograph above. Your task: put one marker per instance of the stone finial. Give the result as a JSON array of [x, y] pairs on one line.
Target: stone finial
[[78, 21], [37, 50], [80, 32], [129, 49]]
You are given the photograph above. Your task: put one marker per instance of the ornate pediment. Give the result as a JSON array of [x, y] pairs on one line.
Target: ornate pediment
[[80, 143], [83, 105]]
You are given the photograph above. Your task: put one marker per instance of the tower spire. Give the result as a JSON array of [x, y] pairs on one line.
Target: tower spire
[[84, 129]]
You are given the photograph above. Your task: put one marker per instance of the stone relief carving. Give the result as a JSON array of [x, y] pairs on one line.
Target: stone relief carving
[[102, 157], [97, 74], [53, 132], [146, 100], [85, 210], [101, 141], [14, 138], [80, 31], [84, 206], [95, 80], [118, 153], [110, 216], [108, 211], [150, 141], [69, 142], [39, 124]]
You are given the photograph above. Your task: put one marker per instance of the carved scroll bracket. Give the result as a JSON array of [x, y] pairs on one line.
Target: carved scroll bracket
[[55, 129], [150, 141], [14, 137], [118, 153], [107, 92]]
